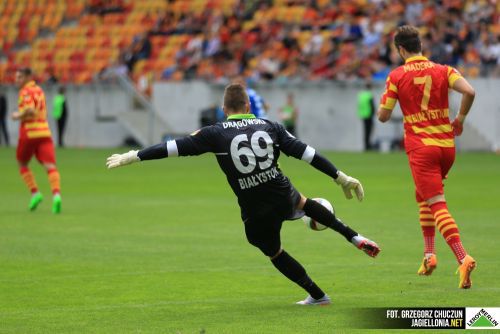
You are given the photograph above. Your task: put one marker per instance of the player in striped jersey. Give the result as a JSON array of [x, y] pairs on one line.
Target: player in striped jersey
[[421, 87], [35, 139]]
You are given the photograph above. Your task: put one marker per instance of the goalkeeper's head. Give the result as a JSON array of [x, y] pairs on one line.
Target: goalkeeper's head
[[407, 41], [236, 100]]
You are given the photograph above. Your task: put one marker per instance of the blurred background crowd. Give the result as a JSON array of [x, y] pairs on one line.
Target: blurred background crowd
[[262, 40]]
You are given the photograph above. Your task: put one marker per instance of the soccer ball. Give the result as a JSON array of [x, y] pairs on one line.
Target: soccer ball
[[311, 223]]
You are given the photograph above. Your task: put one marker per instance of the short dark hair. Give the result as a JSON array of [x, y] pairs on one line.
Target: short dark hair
[[235, 97], [25, 71], [408, 37]]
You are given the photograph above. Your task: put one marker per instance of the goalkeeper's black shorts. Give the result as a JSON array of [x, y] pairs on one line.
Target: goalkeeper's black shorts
[[263, 230]]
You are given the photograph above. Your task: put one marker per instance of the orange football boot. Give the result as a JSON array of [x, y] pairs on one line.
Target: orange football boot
[[429, 263], [465, 269]]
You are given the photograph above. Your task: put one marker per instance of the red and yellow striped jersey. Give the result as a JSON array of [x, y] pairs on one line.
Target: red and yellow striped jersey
[[421, 87], [31, 96]]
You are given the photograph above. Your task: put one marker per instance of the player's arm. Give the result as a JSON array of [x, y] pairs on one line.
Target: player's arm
[[291, 146], [388, 100], [23, 115], [195, 144], [461, 85], [26, 108]]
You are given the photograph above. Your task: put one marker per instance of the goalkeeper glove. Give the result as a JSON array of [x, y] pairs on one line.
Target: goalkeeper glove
[[348, 184], [117, 160]]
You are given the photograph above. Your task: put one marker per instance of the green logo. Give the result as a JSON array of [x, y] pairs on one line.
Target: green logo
[[482, 319]]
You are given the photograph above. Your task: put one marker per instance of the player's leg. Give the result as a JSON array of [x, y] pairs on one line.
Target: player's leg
[[322, 215], [24, 152], [265, 235], [45, 154], [449, 229], [427, 224], [437, 203], [430, 166], [61, 125], [368, 124], [295, 272]]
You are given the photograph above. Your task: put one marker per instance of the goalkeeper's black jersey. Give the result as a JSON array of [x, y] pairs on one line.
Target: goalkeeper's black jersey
[[247, 150]]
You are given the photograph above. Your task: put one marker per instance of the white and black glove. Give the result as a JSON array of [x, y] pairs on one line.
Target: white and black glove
[[117, 160], [348, 184]]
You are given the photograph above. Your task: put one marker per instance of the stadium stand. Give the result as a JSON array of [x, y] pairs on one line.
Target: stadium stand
[[284, 40]]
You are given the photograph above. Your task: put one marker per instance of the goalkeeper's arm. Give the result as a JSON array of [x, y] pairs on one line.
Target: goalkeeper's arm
[[197, 143], [291, 146], [158, 151], [346, 182]]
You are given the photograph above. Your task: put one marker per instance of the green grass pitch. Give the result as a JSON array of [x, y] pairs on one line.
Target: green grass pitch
[[158, 247]]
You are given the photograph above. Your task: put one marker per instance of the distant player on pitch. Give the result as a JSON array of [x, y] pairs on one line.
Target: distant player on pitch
[[247, 150], [35, 139], [421, 87]]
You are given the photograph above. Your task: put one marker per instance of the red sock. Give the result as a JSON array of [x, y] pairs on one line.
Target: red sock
[[428, 228], [448, 228], [29, 179]]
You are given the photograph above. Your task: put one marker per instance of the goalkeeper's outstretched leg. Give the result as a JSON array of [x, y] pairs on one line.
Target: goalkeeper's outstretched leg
[[322, 215]]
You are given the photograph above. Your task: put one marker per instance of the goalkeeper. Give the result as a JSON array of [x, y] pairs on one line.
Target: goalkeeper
[[247, 150]]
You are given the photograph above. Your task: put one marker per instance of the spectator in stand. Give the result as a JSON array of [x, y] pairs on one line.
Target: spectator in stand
[[269, 66], [413, 12], [118, 68], [103, 7], [352, 29], [371, 37], [315, 43], [472, 61], [438, 49], [213, 45], [311, 16], [143, 46], [496, 52], [51, 77], [193, 53], [165, 24], [139, 49], [129, 58], [489, 54]]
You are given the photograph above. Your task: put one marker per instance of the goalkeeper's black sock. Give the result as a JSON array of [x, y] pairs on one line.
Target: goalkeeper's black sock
[[322, 215], [294, 271]]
